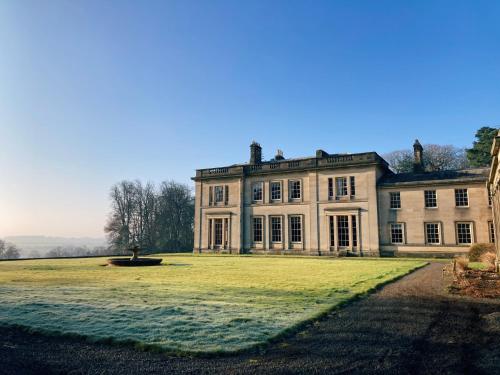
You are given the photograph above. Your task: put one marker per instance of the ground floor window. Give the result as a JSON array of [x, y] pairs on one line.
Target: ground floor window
[[432, 233], [332, 231], [343, 230], [397, 233], [491, 227], [464, 233], [296, 228], [218, 232], [257, 229], [276, 228], [354, 231]]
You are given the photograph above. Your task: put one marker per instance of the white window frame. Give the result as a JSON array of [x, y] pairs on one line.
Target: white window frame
[[261, 218], [271, 218], [439, 231], [466, 194], [435, 199], [290, 183], [271, 183], [471, 229], [254, 185], [301, 228], [403, 234], [341, 187], [391, 194]]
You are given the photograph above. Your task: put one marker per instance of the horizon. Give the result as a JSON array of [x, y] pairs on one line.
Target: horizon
[[96, 93]]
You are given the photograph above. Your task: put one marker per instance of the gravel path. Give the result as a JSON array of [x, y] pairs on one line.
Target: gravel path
[[409, 326]]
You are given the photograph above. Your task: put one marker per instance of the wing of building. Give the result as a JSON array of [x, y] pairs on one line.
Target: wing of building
[[339, 204]]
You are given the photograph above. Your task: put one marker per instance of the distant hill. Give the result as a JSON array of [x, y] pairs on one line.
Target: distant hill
[[43, 244]]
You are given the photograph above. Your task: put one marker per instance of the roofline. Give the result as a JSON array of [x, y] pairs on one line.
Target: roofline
[[449, 181], [335, 161]]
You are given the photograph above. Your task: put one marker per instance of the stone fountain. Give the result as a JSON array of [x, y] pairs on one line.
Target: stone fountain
[[135, 261]]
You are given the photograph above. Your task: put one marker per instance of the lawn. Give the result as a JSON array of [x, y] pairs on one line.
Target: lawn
[[191, 303]]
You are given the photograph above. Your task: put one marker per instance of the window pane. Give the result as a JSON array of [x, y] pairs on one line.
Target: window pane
[[330, 188], [430, 198], [275, 191], [464, 233], [397, 233], [341, 186], [257, 229], [343, 230], [295, 189], [395, 198], [432, 233], [354, 231], [219, 194], [276, 229], [257, 191], [332, 231], [353, 186], [218, 232], [296, 228], [461, 197]]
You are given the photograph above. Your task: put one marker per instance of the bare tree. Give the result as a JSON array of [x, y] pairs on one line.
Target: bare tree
[[151, 219], [436, 158], [9, 251]]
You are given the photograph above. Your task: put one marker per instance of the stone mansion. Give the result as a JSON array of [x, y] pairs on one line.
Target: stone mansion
[[339, 204]]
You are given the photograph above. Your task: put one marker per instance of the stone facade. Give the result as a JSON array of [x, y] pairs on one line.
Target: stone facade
[[494, 187], [335, 204]]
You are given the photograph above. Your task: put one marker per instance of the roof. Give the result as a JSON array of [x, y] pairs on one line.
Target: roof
[[440, 177]]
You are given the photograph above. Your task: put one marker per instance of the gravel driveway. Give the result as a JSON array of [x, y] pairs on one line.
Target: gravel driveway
[[409, 326]]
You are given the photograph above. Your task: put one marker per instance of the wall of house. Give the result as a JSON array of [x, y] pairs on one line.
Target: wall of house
[[206, 208], [414, 215]]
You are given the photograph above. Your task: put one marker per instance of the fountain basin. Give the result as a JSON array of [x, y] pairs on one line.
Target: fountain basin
[[139, 262]]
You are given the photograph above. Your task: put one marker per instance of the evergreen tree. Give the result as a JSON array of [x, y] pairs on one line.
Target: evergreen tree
[[479, 154]]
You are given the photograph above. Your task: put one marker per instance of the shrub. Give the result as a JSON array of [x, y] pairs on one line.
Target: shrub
[[488, 259], [461, 264], [479, 249]]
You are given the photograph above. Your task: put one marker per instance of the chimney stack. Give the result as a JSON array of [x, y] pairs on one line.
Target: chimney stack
[[279, 155], [255, 153], [418, 161]]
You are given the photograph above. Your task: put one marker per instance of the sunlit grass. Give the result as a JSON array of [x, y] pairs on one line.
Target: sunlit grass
[[191, 303]]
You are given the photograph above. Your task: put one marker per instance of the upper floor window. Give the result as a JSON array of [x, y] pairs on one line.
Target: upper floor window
[[432, 233], [296, 228], [490, 198], [395, 199], [461, 198], [275, 190], [353, 185], [330, 188], [257, 229], [295, 189], [464, 233], [430, 198], [219, 194], [341, 186], [257, 191], [397, 233]]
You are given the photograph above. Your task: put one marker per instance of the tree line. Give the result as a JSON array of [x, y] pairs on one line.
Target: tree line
[[155, 218], [447, 157]]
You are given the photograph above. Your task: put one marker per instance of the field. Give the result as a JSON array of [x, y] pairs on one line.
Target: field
[[191, 303]]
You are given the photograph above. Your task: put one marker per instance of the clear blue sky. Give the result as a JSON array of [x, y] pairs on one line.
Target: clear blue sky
[[92, 92]]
